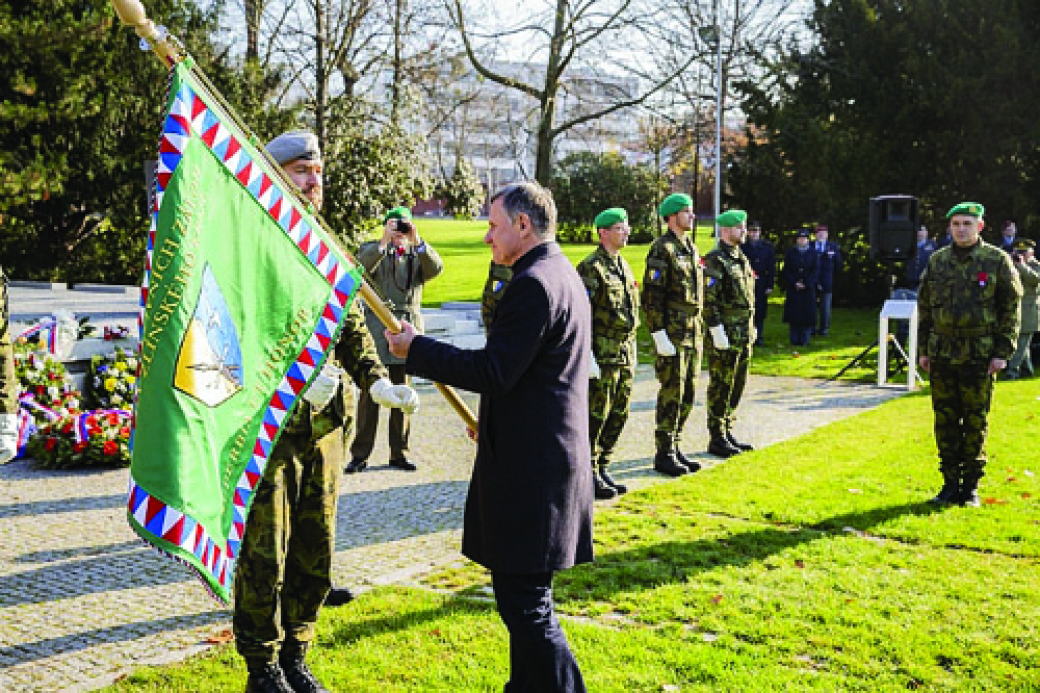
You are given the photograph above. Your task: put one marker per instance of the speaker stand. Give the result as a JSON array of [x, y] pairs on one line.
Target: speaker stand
[[892, 280]]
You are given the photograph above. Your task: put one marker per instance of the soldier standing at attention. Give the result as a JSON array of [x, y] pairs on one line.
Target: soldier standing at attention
[[729, 309], [8, 382], [762, 256], [615, 317], [284, 569], [968, 305], [400, 263], [672, 302]]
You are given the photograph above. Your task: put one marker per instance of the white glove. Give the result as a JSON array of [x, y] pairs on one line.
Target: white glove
[[663, 345], [594, 372], [386, 394], [8, 437], [323, 387], [718, 337]]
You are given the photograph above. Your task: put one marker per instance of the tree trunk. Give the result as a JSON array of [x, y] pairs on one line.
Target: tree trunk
[[395, 84], [321, 74], [254, 9], [547, 112]]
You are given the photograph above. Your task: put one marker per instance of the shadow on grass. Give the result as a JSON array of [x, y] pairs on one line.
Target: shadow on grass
[[345, 634], [648, 567]]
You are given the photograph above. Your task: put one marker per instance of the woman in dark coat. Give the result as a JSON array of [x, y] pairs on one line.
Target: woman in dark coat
[[800, 272]]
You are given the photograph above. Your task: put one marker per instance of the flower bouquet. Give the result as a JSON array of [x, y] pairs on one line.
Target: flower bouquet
[[111, 380], [45, 388], [91, 439]]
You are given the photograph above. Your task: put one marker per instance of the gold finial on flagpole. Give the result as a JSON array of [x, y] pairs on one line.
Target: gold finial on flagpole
[[132, 13]]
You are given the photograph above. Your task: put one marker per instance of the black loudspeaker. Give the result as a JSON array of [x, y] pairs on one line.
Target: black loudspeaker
[[893, 227]]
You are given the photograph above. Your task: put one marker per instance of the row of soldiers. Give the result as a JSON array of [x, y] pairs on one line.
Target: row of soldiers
[[683, 297], [970, 302]]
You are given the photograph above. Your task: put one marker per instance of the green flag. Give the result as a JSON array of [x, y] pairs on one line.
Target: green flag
[[242, 300]]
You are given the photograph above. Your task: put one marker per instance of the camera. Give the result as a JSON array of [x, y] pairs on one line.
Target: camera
[[404, 226]]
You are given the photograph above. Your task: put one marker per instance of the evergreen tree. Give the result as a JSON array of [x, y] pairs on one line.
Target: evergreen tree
[[80, 108], [463, 194]]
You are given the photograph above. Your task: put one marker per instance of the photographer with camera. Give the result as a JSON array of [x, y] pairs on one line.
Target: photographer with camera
[[399, 264], [1028, 268]]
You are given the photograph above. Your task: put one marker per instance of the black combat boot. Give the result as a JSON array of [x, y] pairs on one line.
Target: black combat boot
[[720, 447], [950, 489], [743, 447], [300, 677], [267, 678], [691, 465], [609, 481], [968, 494], [666, 463], [601, 489], [338, 596]]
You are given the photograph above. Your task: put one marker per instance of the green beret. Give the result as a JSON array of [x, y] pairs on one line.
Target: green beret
[[398, 213], [609, 217], [972, 209], [1024, 244], [734, 217], [676, 202]]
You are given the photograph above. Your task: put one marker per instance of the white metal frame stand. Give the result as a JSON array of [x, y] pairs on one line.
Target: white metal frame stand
[[898, 310]]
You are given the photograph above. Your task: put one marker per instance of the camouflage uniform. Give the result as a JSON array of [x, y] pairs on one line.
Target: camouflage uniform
[[8, 380], [284, 568], [1029, 315], [615, 317], [400, 278], [729, 300], [968, 308], [498, 279], [672, 302]]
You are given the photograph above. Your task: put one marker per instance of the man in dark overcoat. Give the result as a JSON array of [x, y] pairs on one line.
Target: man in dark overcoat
[[529, 509], [762, 256], [800, 272]]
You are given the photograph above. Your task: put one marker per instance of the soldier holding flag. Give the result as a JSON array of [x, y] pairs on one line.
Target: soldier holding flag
[[284, 572]]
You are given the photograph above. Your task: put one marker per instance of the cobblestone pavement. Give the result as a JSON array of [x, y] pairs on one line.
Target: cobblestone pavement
[[82, 601]]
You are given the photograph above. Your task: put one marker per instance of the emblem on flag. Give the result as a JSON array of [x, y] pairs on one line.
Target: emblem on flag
[[209, 367]]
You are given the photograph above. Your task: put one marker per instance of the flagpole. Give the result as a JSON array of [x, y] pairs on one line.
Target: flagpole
[[169, 51]]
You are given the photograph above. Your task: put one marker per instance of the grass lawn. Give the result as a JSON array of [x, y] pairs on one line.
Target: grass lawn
[[809, 565], [466, 258]]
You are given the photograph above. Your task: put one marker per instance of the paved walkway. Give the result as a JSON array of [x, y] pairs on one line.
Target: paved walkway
[[82, 601]]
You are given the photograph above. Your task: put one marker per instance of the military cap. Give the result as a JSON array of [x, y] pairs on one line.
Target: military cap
[[398, 213], [676, 202], [734, 217], [295, 144], [803, 233], [972, 209], [1024, 244], [609, 217]]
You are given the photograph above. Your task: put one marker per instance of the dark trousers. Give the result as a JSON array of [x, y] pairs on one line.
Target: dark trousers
[[540, 660], [800, 334], [368, 422], [761, 310], [823, 308]]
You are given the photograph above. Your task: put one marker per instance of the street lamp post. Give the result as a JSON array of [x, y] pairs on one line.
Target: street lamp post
[[712, 36]]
